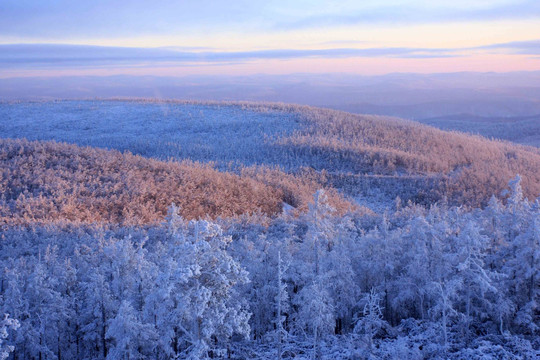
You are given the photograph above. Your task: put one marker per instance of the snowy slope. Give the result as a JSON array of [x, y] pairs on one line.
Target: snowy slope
[[159, 130], [362, 155]]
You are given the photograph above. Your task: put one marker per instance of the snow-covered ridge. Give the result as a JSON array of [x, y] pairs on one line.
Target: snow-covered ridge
[[404, 158]]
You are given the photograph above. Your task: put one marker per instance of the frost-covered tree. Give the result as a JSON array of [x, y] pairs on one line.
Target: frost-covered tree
[[316, 307], [131, 339], [205, 307], [337, 273], [98, 307], [6, 324], [478, 290], [418, 260], [524, 270], [282, 306], [316, 314], [371, 320], [445, 295], [259, 257]]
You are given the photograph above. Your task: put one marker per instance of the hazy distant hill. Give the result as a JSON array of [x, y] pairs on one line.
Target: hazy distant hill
[[519, 129], [406, 95]]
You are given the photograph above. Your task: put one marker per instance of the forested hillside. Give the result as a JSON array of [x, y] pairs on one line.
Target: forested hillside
[[363, 155], [48, 182], [470, 168], [182, 230], [417, 283]]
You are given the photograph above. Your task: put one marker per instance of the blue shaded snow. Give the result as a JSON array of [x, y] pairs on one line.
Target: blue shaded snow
[[226, 134]]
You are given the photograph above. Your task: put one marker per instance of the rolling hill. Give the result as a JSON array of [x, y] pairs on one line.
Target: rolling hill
[[294, 149], [49, 182]]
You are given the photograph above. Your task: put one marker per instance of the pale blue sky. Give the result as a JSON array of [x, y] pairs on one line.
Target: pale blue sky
[[96, 19], [269, 36]]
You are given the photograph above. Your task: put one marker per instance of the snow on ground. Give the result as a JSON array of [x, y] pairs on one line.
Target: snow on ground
[[160, 130]]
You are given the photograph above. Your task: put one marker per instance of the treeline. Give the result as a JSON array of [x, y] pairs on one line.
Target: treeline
[[438, 282]]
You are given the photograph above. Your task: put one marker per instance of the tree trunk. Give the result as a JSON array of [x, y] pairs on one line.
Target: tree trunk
[[103, 331], [318, 355]]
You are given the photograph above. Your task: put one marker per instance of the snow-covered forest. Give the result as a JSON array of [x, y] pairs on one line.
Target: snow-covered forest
[[263, 246], [414, 283], [360, 154]]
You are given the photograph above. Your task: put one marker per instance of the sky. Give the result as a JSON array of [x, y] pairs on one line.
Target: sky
[[177, 38]]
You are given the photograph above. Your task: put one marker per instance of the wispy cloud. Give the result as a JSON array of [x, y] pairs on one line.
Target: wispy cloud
[[343, 43], [417, 13], [41, 55], [531, 47], [46, 56]]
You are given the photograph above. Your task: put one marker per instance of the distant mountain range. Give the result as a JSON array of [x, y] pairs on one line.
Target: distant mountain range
[[413, 96]]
